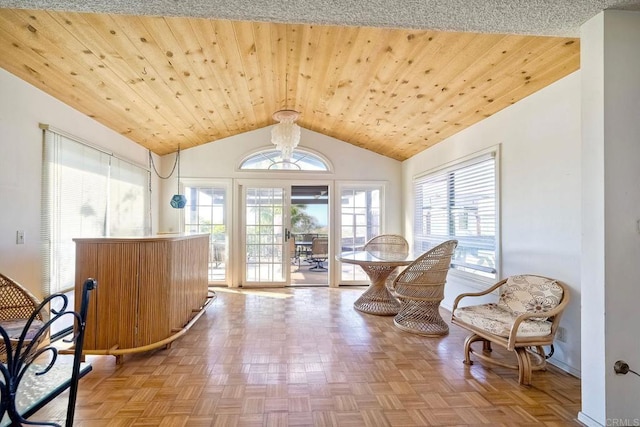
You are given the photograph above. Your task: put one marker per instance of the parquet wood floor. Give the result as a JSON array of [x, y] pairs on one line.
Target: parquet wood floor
[[305, 357]]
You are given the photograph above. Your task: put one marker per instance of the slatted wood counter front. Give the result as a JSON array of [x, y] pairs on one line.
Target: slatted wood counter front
[[150, 290]]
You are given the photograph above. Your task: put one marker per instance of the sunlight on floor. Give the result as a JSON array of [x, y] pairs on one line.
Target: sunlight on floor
[[254, 292]]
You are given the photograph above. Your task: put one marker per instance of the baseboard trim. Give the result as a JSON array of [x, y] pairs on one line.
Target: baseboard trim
[[587, 420], [564, 367]]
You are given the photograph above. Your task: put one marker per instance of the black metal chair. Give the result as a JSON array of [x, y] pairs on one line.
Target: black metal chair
[[32, 359]]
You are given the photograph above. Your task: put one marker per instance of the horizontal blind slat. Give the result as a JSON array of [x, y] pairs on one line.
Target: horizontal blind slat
[[459, 203]]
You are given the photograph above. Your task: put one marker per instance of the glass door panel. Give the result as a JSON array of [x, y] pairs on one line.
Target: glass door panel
[[266, 222], [360, 219], [206, 212]]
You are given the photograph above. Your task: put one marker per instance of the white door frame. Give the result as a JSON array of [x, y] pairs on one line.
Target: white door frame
[[239, 224]]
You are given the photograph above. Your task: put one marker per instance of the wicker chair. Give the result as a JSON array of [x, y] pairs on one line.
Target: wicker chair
[[524, 320], [319, 252], [389, 243], [420, 288], [16, 305]]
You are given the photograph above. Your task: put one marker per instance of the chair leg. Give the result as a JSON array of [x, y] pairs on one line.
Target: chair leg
[[318, 265], [524, 366], [542, 356], [528, 359], [467, 347]]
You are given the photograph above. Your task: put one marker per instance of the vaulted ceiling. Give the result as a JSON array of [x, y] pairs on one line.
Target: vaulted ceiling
[[166, 81]]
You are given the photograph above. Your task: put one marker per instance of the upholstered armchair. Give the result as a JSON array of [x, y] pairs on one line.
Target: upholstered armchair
[[523, 320]]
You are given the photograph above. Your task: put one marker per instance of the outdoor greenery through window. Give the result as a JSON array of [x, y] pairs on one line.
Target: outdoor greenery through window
[[86, 192], [459, 203], [309, 209], [265, 233]]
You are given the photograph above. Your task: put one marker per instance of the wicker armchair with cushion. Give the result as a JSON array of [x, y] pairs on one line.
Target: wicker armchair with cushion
[[420, 288], [16, 305], [525, 318]]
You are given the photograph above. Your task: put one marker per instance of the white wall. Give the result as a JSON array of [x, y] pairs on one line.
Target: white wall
[[22, 108], [622, 212], [220, 159], [540, 172], [610, 58], [593, 252]]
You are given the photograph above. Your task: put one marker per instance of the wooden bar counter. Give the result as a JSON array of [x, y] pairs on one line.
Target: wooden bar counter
[[150, 290]]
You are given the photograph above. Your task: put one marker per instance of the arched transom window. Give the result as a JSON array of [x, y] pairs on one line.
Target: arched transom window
[[301, 160]]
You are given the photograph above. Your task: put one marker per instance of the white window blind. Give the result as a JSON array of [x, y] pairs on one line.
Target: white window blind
[[460, 203], [128, 199], [85, 193]]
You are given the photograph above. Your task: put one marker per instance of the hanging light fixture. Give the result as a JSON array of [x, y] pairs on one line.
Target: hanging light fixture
[[178, 200], [286, 134]]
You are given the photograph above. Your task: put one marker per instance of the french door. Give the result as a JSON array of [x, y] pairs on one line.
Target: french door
[[266, 233], [361, 209]]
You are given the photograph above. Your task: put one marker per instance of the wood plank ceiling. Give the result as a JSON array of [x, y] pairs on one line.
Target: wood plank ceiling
[[164, 82]]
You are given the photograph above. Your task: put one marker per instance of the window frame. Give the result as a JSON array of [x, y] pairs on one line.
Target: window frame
[[265, 151], [357, 275], [225, 183], [457, 166]]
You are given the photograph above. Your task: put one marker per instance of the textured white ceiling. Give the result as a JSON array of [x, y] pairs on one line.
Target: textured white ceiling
[[534, 17]]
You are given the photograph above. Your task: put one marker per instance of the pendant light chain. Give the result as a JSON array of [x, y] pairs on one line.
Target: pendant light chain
[[153, 165], [178, 200], [178, 162]]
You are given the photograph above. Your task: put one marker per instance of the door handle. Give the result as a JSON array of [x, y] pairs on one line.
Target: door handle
[[287, 234]]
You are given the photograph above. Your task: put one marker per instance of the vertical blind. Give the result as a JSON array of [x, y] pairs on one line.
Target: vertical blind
[[460, 203], [85, 193]]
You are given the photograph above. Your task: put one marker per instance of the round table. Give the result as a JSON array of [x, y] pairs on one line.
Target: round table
[[377, 265]]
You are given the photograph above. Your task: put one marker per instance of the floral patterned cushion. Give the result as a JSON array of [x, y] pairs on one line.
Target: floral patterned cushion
[[529, 294], [498, 321]]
